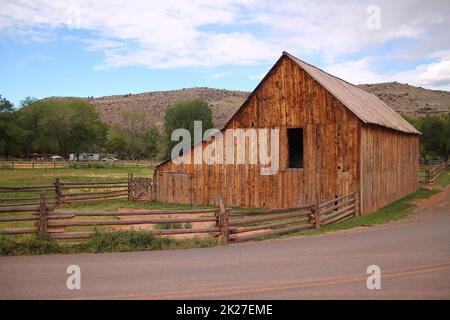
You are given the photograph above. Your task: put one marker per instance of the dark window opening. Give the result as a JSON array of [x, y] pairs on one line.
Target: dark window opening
[[295, 143]]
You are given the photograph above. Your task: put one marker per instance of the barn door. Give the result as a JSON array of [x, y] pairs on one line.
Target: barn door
[[177, 187]]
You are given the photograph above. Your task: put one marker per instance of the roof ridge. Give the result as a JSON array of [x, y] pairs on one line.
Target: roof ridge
[[365, 105], [320, 69]]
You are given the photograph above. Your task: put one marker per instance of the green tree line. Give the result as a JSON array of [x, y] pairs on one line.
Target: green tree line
[[70, 126], [435, 138]]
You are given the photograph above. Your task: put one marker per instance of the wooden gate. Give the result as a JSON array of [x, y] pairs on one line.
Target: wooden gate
[[140, 188]]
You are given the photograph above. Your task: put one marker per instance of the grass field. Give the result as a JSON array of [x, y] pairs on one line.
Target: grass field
[[35, 177]]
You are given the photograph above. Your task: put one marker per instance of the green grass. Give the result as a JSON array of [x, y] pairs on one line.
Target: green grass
[[117, 241], [114, 205], [444, 179], [37, 177]]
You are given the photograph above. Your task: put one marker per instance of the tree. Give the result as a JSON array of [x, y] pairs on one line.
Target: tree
[[182, 115], [435, 138], [118, 146], [61, 126], [27, 101], [8, 128], [152, 138], [135, 136]]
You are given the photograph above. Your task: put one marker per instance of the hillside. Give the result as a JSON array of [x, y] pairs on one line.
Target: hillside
[[409, 99], [223, 103], [401, 97]]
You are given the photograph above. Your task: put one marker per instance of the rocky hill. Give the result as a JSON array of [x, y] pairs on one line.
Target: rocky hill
[[401, 97], [409, 99], [223, 103]]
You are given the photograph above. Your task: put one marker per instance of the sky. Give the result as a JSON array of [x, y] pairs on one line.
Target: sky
[[105, 47]]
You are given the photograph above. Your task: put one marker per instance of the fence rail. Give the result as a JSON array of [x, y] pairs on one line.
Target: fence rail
[[227, 224], [429, 173], [61, 192], [30, 164]]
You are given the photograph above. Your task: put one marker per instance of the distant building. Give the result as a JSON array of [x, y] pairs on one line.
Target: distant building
[[84, 157]]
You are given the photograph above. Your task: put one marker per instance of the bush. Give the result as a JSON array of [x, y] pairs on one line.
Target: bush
[[117, 241], [36, 244], [174, 225]]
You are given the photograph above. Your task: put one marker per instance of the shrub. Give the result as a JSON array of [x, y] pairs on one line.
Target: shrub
[[174, 225], [36, 244], [117, 241]]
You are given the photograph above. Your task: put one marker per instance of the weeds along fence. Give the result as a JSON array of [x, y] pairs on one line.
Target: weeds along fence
[[226, 224], [429, 173], [61, 192], [30, 164]]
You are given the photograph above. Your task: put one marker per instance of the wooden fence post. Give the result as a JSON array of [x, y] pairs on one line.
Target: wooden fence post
[[130, 186], [357, 204], [316, 210], [223, 221], [427, 175], [43, 218], [58, 193]]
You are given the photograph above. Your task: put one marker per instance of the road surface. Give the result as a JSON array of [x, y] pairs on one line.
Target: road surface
[[413, 255]]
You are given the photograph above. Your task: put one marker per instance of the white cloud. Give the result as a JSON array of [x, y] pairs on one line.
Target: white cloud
[[357, 71], [179, 33], [435, 75]]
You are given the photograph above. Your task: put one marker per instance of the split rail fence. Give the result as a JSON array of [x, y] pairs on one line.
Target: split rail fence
[[42, 164], [430, 173], [61, 192], [226, 224]]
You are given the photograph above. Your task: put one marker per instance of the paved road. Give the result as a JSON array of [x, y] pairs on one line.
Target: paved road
[[414, 257]]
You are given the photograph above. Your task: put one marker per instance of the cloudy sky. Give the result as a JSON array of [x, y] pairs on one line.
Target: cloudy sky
[[103, 47]]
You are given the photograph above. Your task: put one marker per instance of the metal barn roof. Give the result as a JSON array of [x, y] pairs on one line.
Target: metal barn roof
[[366, 106]]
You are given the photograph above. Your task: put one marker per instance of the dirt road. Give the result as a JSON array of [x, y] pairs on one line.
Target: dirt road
[[413, 254]]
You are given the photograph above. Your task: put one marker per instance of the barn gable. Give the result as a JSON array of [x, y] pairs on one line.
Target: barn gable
[[365, 105]]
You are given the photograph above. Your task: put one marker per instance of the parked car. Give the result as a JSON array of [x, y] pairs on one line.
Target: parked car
[[110, 159], [57, 158]]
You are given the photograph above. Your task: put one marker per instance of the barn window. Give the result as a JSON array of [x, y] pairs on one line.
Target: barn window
[[295, 145]]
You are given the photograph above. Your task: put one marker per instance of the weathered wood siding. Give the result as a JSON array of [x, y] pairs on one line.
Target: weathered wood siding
[[389, 166], [287, 98]]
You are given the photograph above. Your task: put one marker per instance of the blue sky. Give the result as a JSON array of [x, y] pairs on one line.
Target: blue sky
[[98, 48]]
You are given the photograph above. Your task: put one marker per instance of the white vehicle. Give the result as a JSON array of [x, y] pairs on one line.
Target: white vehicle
[[85, 157], [110, 159], [57, 158]]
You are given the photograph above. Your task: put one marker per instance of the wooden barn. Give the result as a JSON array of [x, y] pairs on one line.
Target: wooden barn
[[334, 138]]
